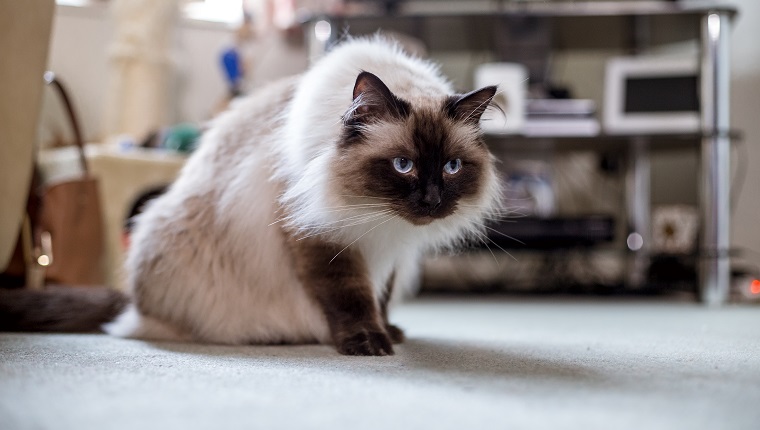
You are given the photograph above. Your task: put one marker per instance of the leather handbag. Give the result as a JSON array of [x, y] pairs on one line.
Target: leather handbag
[[67, 229]]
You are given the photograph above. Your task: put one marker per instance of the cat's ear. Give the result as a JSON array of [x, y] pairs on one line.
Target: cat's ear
[[470, 107], [374, 101]]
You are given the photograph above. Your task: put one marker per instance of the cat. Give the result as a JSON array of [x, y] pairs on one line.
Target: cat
[[290, 221]]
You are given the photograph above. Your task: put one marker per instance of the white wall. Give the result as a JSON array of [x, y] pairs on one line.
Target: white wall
[[201, 84], [79, 55]]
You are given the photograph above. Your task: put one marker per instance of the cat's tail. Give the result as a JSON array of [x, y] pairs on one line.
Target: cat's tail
[[59, 309]]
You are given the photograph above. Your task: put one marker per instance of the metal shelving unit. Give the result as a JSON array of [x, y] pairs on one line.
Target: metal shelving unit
[[714, 22]]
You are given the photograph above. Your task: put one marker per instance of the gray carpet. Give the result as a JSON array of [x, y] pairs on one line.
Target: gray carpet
[[469, 363]]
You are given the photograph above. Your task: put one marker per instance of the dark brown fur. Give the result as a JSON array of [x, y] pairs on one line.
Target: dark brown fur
[[425, 139], [59, 309], [343, 290], [395, 333]]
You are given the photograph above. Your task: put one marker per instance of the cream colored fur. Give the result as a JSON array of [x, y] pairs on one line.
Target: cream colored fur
[[209, 260]]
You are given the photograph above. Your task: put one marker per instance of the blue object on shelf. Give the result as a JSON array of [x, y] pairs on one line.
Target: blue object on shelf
[[232, 70]]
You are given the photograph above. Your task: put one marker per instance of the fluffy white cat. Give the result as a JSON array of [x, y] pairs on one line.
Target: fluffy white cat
[[288, 223]]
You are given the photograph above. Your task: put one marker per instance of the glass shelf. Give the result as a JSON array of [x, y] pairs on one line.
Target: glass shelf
[[550, 9]]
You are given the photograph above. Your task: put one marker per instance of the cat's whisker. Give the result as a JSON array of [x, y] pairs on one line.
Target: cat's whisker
[[366, 220], [365, 197], [363, 234], [277, 221], [334, 210], [488, 238], [347, 219], [353, 217], [511, 213], [519, 199], [318, 232], [487, 103], [480, 238], [499, 233], [360, 204], [318, 229], [505, 213], [503, 218], [497, 245], [354, 206], [498, 215], [500, 220], [505, 235], [506, 209], [512, 216]]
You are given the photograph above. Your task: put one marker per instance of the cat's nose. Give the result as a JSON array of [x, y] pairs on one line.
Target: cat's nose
[[432, 198]]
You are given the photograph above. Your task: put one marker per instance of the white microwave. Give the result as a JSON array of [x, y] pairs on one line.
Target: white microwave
[[651, 95]]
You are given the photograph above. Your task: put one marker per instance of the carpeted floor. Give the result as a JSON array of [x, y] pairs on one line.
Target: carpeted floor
[[485, 363]]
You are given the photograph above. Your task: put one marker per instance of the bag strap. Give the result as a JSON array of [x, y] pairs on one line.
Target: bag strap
[[51, 79]]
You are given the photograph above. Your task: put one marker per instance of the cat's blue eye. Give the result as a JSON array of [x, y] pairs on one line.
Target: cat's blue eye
[[402, 165], [452, 166]]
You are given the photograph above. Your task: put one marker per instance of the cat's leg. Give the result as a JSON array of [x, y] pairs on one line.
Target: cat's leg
[[340, 284], [394, 332]]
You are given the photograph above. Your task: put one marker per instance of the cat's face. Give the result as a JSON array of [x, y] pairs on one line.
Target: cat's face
[[423, 162]]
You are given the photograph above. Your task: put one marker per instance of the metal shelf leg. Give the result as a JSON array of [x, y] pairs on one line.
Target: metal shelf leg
[[715, 269], [638, 202]]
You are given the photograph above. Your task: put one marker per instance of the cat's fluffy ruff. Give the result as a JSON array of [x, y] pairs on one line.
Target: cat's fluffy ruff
[[209, 259]]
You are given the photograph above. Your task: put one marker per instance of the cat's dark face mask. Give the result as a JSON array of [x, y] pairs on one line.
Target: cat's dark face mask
[[422, 162]]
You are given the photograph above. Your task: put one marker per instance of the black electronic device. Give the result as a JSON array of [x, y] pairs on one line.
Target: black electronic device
[[558, 233]]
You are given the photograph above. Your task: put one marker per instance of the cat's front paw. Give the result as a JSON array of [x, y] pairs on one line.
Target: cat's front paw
[[395, 333], [365, 342]]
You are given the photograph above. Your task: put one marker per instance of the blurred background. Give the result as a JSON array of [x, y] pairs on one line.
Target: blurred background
[[605, 146]]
